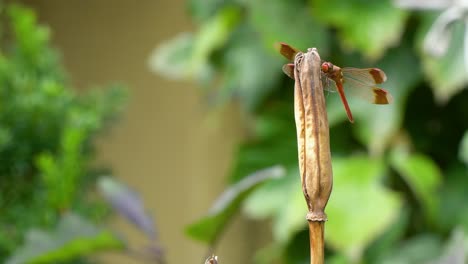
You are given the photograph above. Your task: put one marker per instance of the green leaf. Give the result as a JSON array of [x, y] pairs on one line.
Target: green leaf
[[32, 39], [287, 21], [337, 259], [187, 56], [290, 219], [452, 196], [60, 175], [391, 236], [360, 208], [447, 74], [209, 227], [213, 34], [369, 26], [423, 177], [173, 57], [268, 254], [250, 72], [274, 142], [284, 202], [463, 152], [203, 10], [74, 237], [417, 250], [267, 200]]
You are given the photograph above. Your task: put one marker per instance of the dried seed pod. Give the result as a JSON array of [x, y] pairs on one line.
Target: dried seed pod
[[312, 134]]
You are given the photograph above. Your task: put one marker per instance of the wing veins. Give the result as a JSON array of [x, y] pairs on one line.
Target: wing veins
[[362, 75]]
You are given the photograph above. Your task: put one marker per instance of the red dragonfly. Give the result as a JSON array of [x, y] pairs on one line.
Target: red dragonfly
[[359, 82]]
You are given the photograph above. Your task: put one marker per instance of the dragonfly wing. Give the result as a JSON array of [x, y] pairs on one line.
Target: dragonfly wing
[[329, 85], [368, 92], [287, 51], [369, 76], [288, 69]]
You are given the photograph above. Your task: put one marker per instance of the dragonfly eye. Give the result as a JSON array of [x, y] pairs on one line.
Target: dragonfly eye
[[326, 67]]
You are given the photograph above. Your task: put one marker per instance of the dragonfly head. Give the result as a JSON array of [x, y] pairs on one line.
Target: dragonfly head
[[327, 67]]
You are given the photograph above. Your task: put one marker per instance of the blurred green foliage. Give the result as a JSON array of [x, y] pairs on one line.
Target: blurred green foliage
[[46, 134], [400, 172]]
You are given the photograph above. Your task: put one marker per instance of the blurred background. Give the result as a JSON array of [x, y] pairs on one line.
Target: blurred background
[[163, 132]]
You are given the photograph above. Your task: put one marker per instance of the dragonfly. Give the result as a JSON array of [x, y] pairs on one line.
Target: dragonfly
[[355, 81]]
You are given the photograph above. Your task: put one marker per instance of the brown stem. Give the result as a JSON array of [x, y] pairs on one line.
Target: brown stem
[[317, 243]]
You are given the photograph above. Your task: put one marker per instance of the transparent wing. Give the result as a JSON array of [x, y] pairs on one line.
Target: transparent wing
[[328, 84], [369, 76], [288, 69], [368, 92]]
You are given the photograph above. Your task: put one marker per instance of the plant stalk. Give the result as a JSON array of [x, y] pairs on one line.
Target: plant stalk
[[317, 242]]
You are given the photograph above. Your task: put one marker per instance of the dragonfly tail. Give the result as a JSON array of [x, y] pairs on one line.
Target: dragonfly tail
[[345, 102]]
